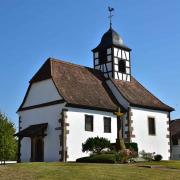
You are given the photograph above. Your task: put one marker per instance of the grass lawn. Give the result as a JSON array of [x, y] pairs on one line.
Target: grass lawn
[[53, 171]]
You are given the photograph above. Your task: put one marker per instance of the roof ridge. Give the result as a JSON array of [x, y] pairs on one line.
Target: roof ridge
[[72, 64], [67, 62]]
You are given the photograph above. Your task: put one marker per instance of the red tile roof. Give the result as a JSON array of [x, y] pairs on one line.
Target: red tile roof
[[86, 87], [137, 95]]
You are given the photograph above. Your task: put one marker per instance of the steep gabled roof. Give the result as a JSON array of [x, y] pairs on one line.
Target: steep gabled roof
[[137, 95], [78, 85], [86, 87]]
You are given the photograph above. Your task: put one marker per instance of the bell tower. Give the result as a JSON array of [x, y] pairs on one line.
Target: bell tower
[[112, 56]]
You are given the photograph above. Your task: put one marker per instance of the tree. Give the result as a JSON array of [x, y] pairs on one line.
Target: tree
[[96, 144], [8, 144]]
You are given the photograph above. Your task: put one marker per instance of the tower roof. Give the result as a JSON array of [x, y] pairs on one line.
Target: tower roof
[[111, 37]]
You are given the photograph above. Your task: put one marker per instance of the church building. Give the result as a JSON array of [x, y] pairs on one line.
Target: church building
[[66, 103]]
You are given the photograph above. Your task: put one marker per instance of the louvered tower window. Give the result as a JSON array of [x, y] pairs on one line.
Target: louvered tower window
[[122, 66]]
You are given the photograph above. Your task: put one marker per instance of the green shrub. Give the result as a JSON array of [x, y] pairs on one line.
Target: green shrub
[[96, 145], [98, 158], [158, 157], [132, 145]]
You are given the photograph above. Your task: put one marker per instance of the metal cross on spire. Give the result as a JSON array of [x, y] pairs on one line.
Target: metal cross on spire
[[110, 9]]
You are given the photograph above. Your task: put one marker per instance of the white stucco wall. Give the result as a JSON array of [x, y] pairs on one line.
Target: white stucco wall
[[151, 143], [77, 134], [50, 115], [42, 92]]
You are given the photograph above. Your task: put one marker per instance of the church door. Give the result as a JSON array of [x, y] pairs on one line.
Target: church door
[[38, 149]]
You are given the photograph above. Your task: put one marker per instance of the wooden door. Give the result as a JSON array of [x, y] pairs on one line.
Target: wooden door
[[37, 149]]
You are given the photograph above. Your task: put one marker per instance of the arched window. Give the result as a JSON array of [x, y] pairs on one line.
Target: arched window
[[122, 66]]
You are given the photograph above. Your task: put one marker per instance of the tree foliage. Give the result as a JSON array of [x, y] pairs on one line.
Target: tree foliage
[[8, 144], [96, 144]]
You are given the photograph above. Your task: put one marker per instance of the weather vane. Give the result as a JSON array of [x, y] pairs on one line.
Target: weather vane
[[110, 9]]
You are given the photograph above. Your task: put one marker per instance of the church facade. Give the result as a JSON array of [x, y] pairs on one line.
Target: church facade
[[67, 103]]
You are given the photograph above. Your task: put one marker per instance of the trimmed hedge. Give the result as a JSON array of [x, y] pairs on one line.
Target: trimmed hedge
[[158, 157], [98, 158]]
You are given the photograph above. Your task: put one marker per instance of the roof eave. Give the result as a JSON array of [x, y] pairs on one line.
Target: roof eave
[[73, 105], [112, 45], [170, 109]]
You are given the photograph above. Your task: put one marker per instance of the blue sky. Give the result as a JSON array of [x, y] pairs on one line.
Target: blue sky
[[32, 31]]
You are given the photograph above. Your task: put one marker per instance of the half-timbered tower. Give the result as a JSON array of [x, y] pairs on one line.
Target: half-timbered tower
[[112, 56]]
